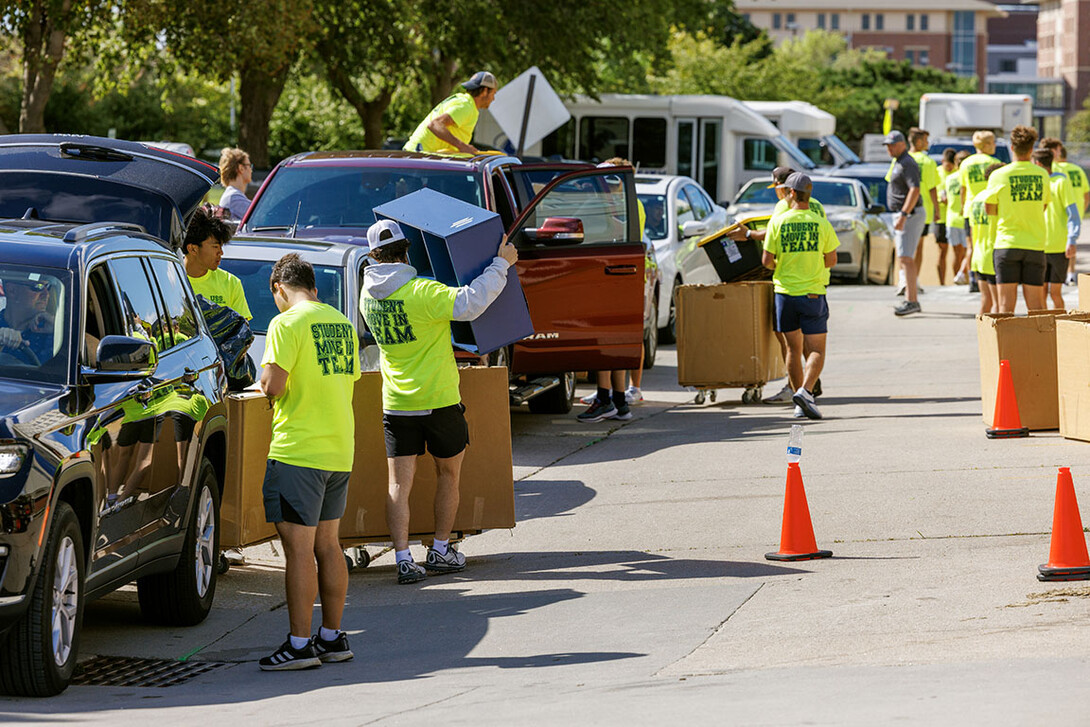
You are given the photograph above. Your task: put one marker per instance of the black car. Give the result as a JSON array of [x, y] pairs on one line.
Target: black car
[[112, 420]]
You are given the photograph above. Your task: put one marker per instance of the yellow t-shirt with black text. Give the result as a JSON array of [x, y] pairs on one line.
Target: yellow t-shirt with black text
[[1056, 213], [929, 179], [412, 329], [463, 112], [1078, 182], [313, 422], [982, 227], [799, 239], [222, 288], [783, 206], [971, 173], [942, 175], [954, 217], [1020, 190]]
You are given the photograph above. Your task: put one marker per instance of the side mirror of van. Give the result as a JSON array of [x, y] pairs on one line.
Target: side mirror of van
[[694, 228]]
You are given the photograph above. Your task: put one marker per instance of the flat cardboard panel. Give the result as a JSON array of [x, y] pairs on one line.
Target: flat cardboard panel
[[487, 484], [1084, 292], [1073, 376], [1029, 343], [725, 336]]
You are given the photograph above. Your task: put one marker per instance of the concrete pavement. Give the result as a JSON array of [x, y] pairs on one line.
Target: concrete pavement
[[634, 588]]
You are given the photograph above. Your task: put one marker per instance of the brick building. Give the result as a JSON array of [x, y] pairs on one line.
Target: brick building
[[945, 34], [1063, 48]]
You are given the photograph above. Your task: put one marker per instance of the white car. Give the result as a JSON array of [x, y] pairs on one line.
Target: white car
[[679, 214]]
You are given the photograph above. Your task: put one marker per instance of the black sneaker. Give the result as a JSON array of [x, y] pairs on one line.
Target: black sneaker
[[816, 391], [907, 308], [335, 650], [287, 658], [409, 572], [598, 411], [622, 412]]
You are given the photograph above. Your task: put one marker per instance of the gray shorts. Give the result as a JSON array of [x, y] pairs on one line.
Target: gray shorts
[[956, 235], [303, 495], [908, 238]]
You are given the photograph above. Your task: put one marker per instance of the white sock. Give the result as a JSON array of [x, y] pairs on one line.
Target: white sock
[[403, 555], [298, 642], [327, 634], [440, 546]]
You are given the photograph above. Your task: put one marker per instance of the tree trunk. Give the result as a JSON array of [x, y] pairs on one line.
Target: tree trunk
[[370, 112], [442, 78], [43, 51], [259, 93]]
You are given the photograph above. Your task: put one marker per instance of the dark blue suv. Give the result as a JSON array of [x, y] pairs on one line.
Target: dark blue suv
[[112, 419]]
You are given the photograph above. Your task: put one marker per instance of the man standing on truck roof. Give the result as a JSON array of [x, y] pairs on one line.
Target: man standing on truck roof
[[449, 126], [410, 318], [800, 247], [311, 364], [902, 195], [1077, 176], [1021, 192]]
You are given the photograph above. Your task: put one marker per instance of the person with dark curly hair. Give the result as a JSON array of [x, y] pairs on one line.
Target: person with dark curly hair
[[203, 250]]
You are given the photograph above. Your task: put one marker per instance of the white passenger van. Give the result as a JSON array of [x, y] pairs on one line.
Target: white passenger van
[[809, 128], [716, 140]]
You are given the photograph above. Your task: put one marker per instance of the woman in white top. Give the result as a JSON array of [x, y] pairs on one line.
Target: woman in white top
[[236, 173]]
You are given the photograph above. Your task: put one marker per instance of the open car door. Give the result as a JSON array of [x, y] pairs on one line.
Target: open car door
[[72, 178], [581, 263]]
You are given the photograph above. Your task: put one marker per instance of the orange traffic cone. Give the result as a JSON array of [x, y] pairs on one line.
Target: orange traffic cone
[[1006, 424], [797, 535], [1067, 559]]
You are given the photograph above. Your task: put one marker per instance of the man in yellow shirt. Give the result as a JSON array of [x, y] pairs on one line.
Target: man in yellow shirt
[[1021, 193], [982, 228], [311, 364], [203, 250], [799, 247], [920, 141], [449, 126], [1062, 226], [1079, 183], [410, 318]]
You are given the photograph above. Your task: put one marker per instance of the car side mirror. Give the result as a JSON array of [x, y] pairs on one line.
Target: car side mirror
[[556, 231], [125, 355], [876, 209], [693, 228]]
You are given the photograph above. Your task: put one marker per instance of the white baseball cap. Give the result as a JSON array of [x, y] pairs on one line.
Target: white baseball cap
[[382, 233]]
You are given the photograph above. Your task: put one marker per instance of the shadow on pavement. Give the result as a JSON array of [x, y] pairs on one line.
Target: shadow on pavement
[[549, 498]]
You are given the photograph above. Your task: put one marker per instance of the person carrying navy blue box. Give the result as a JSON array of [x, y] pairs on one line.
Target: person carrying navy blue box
[[410, 317]]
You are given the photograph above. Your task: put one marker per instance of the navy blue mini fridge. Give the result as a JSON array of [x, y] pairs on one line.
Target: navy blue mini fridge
[[453, 242]]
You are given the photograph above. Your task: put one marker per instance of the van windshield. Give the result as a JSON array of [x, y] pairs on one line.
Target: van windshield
[[34, 337], [332, 197], [254, 275]]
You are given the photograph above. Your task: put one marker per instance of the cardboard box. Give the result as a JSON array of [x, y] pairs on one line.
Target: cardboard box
[[487, 483], [725, 336], [1084, 292], [453, 242], [1029, 343], [1073, 376]]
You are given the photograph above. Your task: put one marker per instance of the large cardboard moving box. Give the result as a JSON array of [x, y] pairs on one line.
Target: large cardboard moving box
[[724, 335], [1084, 292], [1029, 343], [1073, 376], [487, 484]]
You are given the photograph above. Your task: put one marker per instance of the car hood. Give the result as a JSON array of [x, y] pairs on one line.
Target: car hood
[[22, 403], [71, 178]]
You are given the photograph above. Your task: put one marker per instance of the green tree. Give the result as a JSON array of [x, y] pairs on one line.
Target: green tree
[[1078, 126]]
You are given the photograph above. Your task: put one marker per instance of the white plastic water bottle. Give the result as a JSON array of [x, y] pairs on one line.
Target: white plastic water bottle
[[794, 444]]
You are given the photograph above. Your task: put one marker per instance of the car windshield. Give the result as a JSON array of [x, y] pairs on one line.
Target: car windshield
[[345, 196], [254, 275], [654, 206], [828, 193], [34, 336]]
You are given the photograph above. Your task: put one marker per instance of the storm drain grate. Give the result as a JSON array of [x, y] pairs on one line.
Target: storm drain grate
[[122, 671]]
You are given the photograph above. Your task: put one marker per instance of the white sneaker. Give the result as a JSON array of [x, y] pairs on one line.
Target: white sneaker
[[589, 398], [633, 396], [783, 397], [799, 413], [1071, 279], [960, 279], [805, 400]]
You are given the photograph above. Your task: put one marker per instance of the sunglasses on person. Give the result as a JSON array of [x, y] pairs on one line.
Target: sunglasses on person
[[35, 286]]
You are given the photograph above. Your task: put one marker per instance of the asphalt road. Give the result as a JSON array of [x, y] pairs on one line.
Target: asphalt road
[[634, 588]]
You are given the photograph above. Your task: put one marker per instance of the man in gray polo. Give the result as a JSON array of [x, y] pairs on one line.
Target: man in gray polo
[[902, 197]]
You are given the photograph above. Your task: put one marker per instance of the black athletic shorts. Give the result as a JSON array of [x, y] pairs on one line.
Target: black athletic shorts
[[1055, 267], [1015, 265], [986, 277], [938, 230], [303, 495], [443, 432]]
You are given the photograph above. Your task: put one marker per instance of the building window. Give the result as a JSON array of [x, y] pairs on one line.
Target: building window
[[835, 24], [923, 57], [790, 21], [866, 21], [777, 21], [963, 43], [1008, 65], [910, 56], [923, 22], [879, 21], [910, 22], [745, 17], [821, 21]]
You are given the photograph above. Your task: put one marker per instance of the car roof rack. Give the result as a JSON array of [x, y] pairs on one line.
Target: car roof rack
[[82, 232]]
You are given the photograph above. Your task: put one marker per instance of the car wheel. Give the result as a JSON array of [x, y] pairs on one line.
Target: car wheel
[[500, 357], [864, 263], [183, 597], [669, 333], [557, 400], [651, 336], [39, 655]]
